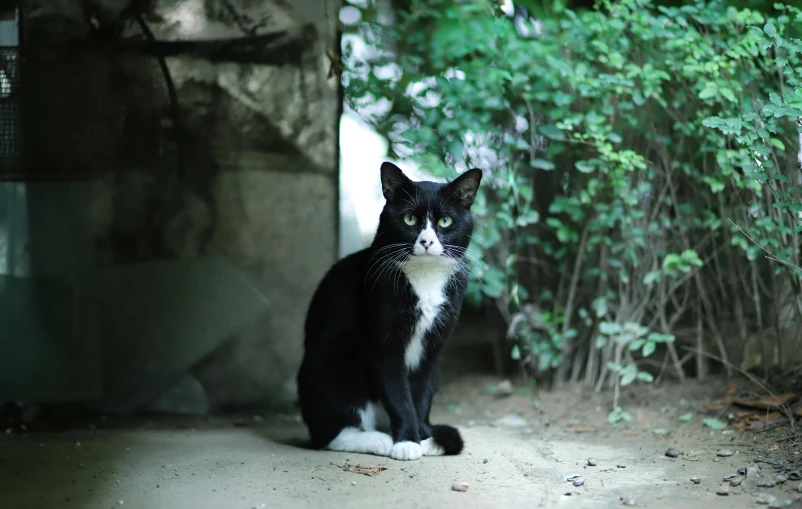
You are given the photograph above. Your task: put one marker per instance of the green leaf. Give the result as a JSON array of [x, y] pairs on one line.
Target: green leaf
[[552, 132], [649, 348], [584, 167], [715, 424], [609, 328], [636, 345], [651, 277], [708, 92], [516, 353], [628, 377], [645, 376], [686, 417], [618, 415], [659, 337], [600, 306], [541, 164], [690, 257], [728, 94]]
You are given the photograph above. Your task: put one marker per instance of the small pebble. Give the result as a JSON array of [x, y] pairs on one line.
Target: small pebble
[[630, 501], [120, 502], [459, 486], [799, 488], [620, 466], [672, 453], [723, 491], [742, 471], [571, 476], [485, 460], [695, 480], [794, 476], [765, 498], [781, 504], [724, 453], [736, 481], [766, 483], [781, 478], [579, 480], [353, 483], [504, 388], [729, 477], [591, 462]]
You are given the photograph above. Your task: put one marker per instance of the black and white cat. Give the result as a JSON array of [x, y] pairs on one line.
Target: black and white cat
[[379, 319]]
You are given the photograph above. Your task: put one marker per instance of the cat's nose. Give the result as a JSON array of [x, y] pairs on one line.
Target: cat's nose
[[426, 244]]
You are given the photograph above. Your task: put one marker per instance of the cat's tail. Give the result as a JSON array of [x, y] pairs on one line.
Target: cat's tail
[[448, 437]]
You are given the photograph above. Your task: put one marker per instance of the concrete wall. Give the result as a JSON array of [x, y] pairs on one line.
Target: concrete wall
[[261, 142], [258, 140]]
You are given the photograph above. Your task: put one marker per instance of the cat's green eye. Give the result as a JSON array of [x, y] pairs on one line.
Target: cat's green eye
[[410, 219], [445, 222]]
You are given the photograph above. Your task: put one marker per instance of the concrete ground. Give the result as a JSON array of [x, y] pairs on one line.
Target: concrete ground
[[519, 450]]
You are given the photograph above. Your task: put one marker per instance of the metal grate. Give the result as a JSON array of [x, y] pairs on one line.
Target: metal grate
[[75, 108], [10, 112]]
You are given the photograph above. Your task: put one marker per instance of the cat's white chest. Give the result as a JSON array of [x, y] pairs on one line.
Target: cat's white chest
[[428, 281]]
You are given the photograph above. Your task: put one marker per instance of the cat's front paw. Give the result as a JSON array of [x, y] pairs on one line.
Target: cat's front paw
[[430, 448], [406, 451], [380, 444]]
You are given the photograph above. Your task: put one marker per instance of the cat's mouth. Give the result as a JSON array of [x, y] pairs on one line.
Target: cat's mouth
[[426, 255]]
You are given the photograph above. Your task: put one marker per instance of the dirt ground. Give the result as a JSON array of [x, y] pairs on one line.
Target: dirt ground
[[519, 451]]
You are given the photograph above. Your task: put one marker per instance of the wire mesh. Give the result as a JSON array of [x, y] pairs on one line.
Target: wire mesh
[[10, 112]]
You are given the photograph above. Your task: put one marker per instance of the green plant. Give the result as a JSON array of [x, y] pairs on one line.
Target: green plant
[[615, 147]]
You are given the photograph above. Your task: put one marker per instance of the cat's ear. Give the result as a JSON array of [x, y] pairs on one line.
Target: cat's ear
[[463, 188], [394, 182]]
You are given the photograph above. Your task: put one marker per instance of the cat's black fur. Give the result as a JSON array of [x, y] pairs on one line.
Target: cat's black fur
[[363, 314]]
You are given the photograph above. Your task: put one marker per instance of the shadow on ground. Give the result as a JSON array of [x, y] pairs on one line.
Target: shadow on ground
[[519, 451]]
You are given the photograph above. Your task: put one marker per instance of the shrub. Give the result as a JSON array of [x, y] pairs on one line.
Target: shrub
[[624, 148]]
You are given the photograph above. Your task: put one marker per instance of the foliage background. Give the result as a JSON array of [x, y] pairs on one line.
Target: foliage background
[[630, 151]]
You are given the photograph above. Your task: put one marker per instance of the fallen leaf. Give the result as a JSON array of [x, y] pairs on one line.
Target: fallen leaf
[[765, 424], [731, 389], [766, 403], [369, 471], [715, 424], [686, 417]]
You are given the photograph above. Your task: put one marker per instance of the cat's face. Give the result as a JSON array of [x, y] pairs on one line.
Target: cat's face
[[426, 221]]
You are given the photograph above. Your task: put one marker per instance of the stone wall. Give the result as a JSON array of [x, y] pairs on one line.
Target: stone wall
[[259, 146]]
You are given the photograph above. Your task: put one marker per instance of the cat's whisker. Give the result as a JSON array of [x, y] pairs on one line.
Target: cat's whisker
[[415, 199], [465, 251], [381, 265], [388, 264], [464, 265], [399, 245], [377, 266], [398, 273], [383, 248]]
